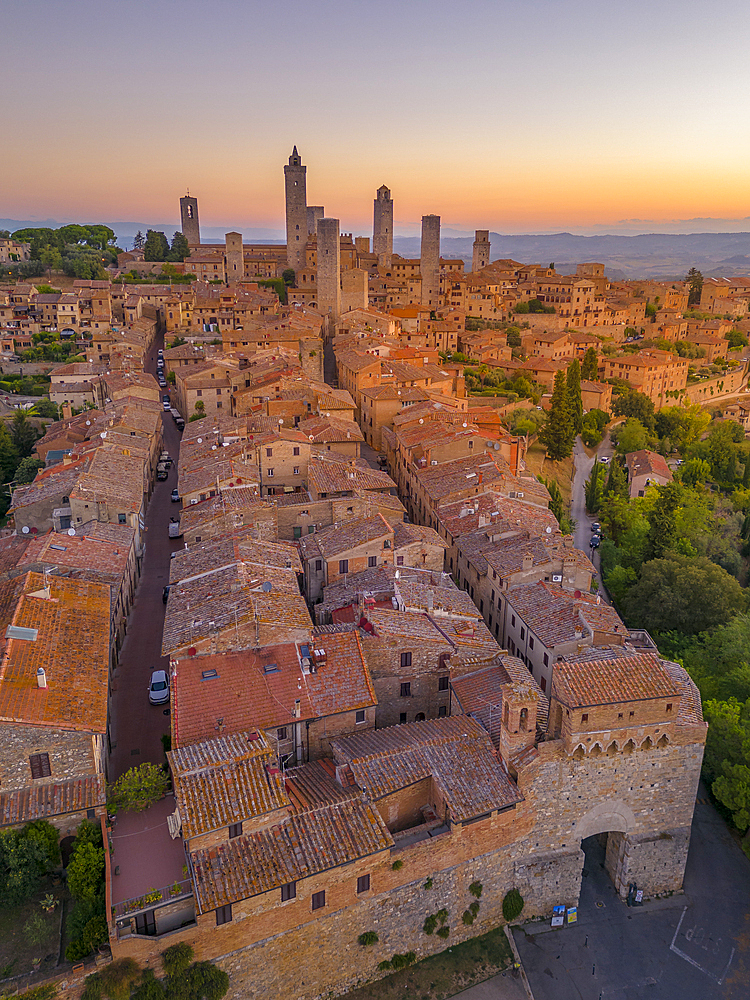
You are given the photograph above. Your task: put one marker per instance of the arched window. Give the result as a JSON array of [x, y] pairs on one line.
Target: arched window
[[419, 717], [523, 720]]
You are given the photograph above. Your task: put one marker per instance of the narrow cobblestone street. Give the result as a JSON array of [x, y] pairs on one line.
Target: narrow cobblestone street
[[136, 726]]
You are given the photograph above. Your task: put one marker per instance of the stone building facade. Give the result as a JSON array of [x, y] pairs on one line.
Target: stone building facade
[[329, 267], [295, 184], [481, 250]]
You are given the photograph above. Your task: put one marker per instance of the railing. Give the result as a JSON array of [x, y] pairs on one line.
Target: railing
[[152, 898]]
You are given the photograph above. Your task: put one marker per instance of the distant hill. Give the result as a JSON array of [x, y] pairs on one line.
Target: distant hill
[[654, 255], [651, 255]]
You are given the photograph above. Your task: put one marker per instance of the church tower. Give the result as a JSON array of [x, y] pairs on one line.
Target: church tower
[[189, 225], [295, 185], [382, 229]]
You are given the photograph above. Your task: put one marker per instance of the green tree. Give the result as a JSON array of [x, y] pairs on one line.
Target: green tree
[[288, 277], [590, 366], [86, 871], [694, 278], [46, 408], [662, 518], [202, 981], [139, 241], [23, 433], [634, 404], [9, 457], [732, 789], [575, 402], [555, 504], [27, 470], [156, 247], [179, 249], [689, 595], [631, 436], [558, 434], [595, 488], [23, 862], [47, 836], [736, 339], [617, 484], [138, 788], [177, 958], [695, 471]]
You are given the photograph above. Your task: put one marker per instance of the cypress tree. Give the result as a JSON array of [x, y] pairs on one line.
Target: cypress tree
[[590, 367], [575, 401], [557, 434]]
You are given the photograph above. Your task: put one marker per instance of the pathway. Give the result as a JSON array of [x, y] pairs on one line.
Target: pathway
[[583, 466]]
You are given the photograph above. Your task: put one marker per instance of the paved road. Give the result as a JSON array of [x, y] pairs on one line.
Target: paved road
[[583, 465], [694, 946], [137, 726], [502, 987]]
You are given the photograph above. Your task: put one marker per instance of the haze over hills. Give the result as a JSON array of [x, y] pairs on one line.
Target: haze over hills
[[640, 255]]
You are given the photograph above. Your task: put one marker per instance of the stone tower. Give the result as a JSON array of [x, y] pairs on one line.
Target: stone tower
[[189, 224], [314, 213], [234, 261], [329, 267], [430, 260], [382, 229], [295, 185], [481, 256]]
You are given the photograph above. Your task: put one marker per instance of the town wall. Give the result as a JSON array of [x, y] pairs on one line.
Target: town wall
[[713, 388]]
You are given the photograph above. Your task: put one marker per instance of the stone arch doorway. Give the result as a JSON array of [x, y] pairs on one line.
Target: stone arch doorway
[[604, 831]]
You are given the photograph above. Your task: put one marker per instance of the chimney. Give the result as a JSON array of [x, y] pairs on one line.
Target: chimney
[[430, 601], [528, 561], [41, 677]]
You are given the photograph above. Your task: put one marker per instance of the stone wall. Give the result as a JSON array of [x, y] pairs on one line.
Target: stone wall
[[70, 754], [383, 657]]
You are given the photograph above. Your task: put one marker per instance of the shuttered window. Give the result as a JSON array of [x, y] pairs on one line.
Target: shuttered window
[[40, 765]]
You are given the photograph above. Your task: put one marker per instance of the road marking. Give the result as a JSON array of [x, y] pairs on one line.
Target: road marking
[[678, 951]]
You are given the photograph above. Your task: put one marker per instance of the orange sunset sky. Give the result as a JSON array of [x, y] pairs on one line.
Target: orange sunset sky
[[502, 115]]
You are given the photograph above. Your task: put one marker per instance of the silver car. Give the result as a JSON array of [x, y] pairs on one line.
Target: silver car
[[158, 689]]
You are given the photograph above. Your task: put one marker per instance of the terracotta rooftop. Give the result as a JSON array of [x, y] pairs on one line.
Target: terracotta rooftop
[[112, 478], [225, 780], [54, 798], [69, 638], [555, 615], [456, 752], [227, 550], [612, 681], [344, 536], [327, 476], [492, 509], [480, 694], [307, 842], [260, 689], [315, 784], [648, 463]]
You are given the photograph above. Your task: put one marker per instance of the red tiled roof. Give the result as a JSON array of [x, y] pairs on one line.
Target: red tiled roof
[[56, 798], [612, 681]]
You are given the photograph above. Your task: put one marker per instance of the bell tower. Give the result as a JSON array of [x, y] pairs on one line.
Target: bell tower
[[189, 224], [295, 186]]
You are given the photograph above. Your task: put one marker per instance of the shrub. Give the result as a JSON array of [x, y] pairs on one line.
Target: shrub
[[95, 933], [443, 932], [383, 966], [36, 929], [86, 871], [47, 836], [88, 833], [202, 981], [476, 889], [430, 924], [369, 937], [23, 862], [177, 958], [117, 978], [401, 961], [474, 909], [468, 918], [149, 987], [428, 884], [397, 865], [442, 915], [512, 905], [47, 991], [75, 951]]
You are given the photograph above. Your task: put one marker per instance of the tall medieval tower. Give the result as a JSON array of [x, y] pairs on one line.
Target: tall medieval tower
[[314, 214], [329, 267], [295, 185], [430, 260], [191, 229], [382, 229], [481, 255], [234, 260]]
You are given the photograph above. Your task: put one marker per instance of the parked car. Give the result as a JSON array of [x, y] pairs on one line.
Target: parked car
[[595, 541], [161, 472], [166, 458], [596, 528], [604, 460], [165, 402], [175, 495], [174, 528], [165, 594], [158, 689]]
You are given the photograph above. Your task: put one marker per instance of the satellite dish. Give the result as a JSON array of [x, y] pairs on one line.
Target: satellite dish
[[281, 420], [25, 529], [421, 420], [200, 440], [71, 531], [88, 423], [548, 530], [213, 447], [267, 587], [103, 434]]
